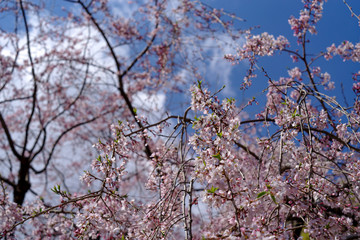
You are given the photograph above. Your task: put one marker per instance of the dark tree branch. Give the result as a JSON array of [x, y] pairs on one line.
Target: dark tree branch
[[34, 95], [56, 143], [9, 138], [118, 68]]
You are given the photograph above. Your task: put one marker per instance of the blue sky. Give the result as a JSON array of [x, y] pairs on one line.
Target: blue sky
[[336, 26]]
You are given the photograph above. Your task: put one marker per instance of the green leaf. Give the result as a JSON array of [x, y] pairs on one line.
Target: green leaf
[[262, 194], [135, 110], [212, 190], [108, 160], [304, 235], [122, 237], [204, 163], [56, 189], [217, 156], [230, 100], [98, 158], [219, 134], [273, 198]]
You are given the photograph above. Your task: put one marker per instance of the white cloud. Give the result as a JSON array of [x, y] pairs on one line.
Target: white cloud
[[219, 70], [153, 105], [124, 8]]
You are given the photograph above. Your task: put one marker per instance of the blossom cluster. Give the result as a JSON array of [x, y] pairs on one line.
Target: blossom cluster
[[307, 20], [346, 50]]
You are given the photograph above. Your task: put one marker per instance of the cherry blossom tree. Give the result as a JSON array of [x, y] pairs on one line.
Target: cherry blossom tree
[[212, 172], [66, 76]]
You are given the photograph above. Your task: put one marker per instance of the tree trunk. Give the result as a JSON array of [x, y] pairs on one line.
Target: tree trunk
[[23, 185]]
